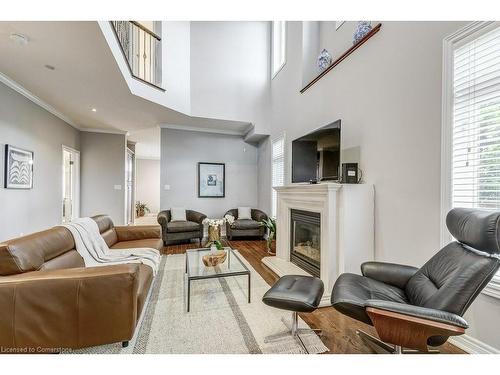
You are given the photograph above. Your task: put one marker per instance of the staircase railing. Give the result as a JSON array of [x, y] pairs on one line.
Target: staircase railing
[[141, 48]]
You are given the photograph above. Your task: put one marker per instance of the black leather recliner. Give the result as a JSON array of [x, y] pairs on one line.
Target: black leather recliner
[[413, 308]]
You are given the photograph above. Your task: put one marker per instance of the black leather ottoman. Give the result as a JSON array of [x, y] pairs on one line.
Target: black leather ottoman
[[295, 293]]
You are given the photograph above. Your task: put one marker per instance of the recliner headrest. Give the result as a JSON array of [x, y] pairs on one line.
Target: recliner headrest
[[479, 229]]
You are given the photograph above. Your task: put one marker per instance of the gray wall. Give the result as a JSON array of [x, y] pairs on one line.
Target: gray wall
[[103, 167], [147, 186], [180, 153], [26, 125]]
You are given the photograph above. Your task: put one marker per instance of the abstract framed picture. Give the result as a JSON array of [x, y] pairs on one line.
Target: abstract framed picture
[[18, 168], [211, 180]]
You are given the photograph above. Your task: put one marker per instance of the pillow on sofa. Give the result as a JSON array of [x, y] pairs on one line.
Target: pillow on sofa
[[178, 214], [244, 213]]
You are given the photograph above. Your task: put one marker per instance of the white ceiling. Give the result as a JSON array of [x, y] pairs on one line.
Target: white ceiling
[[86, 76]]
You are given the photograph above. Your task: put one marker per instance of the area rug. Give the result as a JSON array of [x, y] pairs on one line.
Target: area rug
[[221, 320]]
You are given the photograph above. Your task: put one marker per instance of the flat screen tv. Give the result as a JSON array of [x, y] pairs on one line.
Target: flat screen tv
[[316, 156]]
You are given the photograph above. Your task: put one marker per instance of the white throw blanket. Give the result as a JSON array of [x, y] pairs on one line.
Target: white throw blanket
[[95, 252]]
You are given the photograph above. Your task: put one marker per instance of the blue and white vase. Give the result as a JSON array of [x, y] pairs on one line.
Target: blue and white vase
[[324, 60], [363, 28]]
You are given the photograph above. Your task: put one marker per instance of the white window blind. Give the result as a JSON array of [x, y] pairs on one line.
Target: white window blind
[[476, 123], [278, 169], [278, 47]]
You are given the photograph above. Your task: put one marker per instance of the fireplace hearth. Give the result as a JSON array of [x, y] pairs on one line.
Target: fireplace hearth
[[305, 240]]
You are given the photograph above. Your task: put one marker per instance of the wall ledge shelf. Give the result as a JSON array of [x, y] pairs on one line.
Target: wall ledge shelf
[[373, 31]]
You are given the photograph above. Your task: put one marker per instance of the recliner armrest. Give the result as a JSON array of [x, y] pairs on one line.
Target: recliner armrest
[[419, 312], [389, 273]]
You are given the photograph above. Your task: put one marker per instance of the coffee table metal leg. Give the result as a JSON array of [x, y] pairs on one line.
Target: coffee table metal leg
[[248, 288], [189, 295]]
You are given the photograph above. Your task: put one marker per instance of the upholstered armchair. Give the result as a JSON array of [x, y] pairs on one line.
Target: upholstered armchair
[[419, 307], [246, 227], [181, 230]]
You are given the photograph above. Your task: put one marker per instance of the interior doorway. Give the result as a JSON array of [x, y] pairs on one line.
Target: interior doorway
[[70, 184], [129, 187]]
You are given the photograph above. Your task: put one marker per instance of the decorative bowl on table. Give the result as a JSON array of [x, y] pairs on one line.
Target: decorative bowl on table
[[214, 259]]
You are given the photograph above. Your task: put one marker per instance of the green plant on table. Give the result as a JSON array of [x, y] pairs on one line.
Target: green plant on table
[[141, 208]]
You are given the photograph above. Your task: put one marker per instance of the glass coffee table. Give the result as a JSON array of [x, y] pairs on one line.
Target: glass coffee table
[[196, 270]]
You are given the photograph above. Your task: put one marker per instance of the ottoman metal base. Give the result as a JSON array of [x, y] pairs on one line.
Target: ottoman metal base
[[294, 331]]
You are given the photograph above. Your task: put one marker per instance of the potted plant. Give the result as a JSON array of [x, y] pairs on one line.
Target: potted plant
[[141, 208], [270, 224]]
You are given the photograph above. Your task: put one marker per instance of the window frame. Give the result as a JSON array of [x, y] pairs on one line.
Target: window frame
[[450, 43], [283, 45], [274, 205]]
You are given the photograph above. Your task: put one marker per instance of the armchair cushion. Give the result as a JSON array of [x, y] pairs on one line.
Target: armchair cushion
[[419, 312], [178, 214], [182, 226], [244, 213], [389, 273], [245, 224], [351, 291]]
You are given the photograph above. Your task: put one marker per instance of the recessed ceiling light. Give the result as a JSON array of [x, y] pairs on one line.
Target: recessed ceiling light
[[50, 67], [19, 39], [94, 110]]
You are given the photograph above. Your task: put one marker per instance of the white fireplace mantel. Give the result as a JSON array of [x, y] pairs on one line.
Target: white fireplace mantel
[[347, 230]]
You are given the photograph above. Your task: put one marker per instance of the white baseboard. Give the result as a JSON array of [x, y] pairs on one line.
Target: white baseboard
[[472, 345]]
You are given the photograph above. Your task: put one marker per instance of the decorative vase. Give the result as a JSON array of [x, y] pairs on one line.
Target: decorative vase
[[324, 60], [363, 28], [271, 247]]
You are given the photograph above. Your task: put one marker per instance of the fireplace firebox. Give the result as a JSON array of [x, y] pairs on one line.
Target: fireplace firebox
[[305, 241]]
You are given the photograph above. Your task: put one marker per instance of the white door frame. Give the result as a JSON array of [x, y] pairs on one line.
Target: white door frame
[[76, 185]]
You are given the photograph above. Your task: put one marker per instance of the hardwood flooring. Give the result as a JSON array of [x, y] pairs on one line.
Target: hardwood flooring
[[339, 331]]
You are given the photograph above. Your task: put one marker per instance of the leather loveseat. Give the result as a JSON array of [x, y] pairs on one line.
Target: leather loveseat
[[50, 301]]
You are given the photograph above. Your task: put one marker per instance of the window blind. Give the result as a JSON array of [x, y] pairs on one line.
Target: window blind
[[476, 123], [278, 169]]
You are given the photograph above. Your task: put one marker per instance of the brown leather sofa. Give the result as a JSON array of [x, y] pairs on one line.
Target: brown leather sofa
[[50, 301]]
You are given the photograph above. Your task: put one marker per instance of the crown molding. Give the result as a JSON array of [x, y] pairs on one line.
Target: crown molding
[[35, 99], [107, 131], [204, 130]]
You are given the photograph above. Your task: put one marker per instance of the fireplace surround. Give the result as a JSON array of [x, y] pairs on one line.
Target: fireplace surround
[[346, 230]]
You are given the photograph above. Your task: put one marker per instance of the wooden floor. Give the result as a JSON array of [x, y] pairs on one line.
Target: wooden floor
[[339, 331]]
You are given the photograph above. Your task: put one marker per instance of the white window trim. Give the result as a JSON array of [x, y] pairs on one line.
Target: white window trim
[[280, 136], [461, 36], [274, 74]]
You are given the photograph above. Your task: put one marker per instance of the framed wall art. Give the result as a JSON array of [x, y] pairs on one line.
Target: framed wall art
[[18, 168], [211, 180]]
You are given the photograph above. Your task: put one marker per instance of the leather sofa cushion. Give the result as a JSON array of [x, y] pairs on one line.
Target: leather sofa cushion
[[182, 226], [245, 224], [153, 243], [351, 292], [70, 259], [30, 252]]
